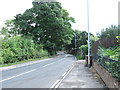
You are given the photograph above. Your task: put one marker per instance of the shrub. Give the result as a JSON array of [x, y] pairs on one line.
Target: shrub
[[112, 52], [20, 48], [109, 58], [83, 51], [8, 56]]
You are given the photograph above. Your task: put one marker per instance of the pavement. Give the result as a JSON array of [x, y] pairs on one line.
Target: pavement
[[82, 77]]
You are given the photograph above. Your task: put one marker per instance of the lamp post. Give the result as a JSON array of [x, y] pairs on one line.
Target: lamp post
[[88, 33]]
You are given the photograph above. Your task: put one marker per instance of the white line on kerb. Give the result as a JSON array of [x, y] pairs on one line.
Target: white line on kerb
[[64, 74], [54, 84], [17, 75], [58, 84], [48, 64]]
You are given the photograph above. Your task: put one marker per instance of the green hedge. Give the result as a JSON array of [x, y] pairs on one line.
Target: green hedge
[[20, 48]]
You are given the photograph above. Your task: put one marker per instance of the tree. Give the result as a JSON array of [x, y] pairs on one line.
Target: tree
[[81, 39], [108, 32], [81, 43], [9, 29], [46, 22]]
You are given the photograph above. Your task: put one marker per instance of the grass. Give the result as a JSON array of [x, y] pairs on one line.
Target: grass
[[24, 61]]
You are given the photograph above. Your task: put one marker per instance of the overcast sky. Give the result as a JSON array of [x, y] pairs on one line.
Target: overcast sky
[[103, 13]]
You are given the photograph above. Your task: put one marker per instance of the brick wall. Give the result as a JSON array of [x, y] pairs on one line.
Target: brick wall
[[106, 76]]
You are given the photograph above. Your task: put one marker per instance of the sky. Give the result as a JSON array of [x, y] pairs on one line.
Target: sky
[[102, 13]]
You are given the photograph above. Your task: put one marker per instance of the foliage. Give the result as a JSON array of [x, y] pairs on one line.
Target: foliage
[[79, 57], [20, 48], [9, 29], [40, 31], [46, 22], [108, 32], [110, 59], [1, 58], [50, 47], [115, 69], [81, 43], [81, 39], [112, 52], [83, 51], [118, 38]]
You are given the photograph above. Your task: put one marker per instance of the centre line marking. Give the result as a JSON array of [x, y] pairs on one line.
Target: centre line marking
[[17, 75], [48, 64]]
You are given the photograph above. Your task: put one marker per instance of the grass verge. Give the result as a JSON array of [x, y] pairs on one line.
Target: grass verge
[[25, 61]]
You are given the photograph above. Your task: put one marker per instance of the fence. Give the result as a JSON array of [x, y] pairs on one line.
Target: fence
[[105, 42], [113, 66]]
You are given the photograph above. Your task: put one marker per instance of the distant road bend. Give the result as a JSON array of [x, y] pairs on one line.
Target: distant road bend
[[39, 75]]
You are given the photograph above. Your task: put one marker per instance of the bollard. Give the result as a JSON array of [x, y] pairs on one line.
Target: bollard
[[86, 62]]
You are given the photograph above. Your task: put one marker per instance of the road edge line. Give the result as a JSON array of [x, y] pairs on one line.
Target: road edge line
[[64, 76], [59, 81]]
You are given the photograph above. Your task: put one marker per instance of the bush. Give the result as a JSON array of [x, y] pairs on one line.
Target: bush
[[1, 58], [8, 56], [112, 52], [79, 57], [50, 47], [110, 31], [20, 48], [109, 57], [83, 51]]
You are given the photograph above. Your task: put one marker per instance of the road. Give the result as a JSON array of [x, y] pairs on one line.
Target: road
[[40, 75]]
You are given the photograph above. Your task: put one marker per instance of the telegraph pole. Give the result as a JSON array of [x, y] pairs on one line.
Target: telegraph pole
[[88, 33]]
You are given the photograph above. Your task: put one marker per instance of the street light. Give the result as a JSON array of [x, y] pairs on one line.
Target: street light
[[88, 33]]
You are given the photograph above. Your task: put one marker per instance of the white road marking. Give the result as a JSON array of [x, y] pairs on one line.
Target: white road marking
[[17, 75], [64, 74], [54, 84], [61, 84], [58, 84], [48, 64]]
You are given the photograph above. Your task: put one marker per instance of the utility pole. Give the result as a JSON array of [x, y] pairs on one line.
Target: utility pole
[[88, 33]]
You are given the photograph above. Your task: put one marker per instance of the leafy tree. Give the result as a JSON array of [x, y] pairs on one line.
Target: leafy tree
[[81, 39], [81, 44], [9, 29], [108, 32], [46, 22], [50, 47]]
